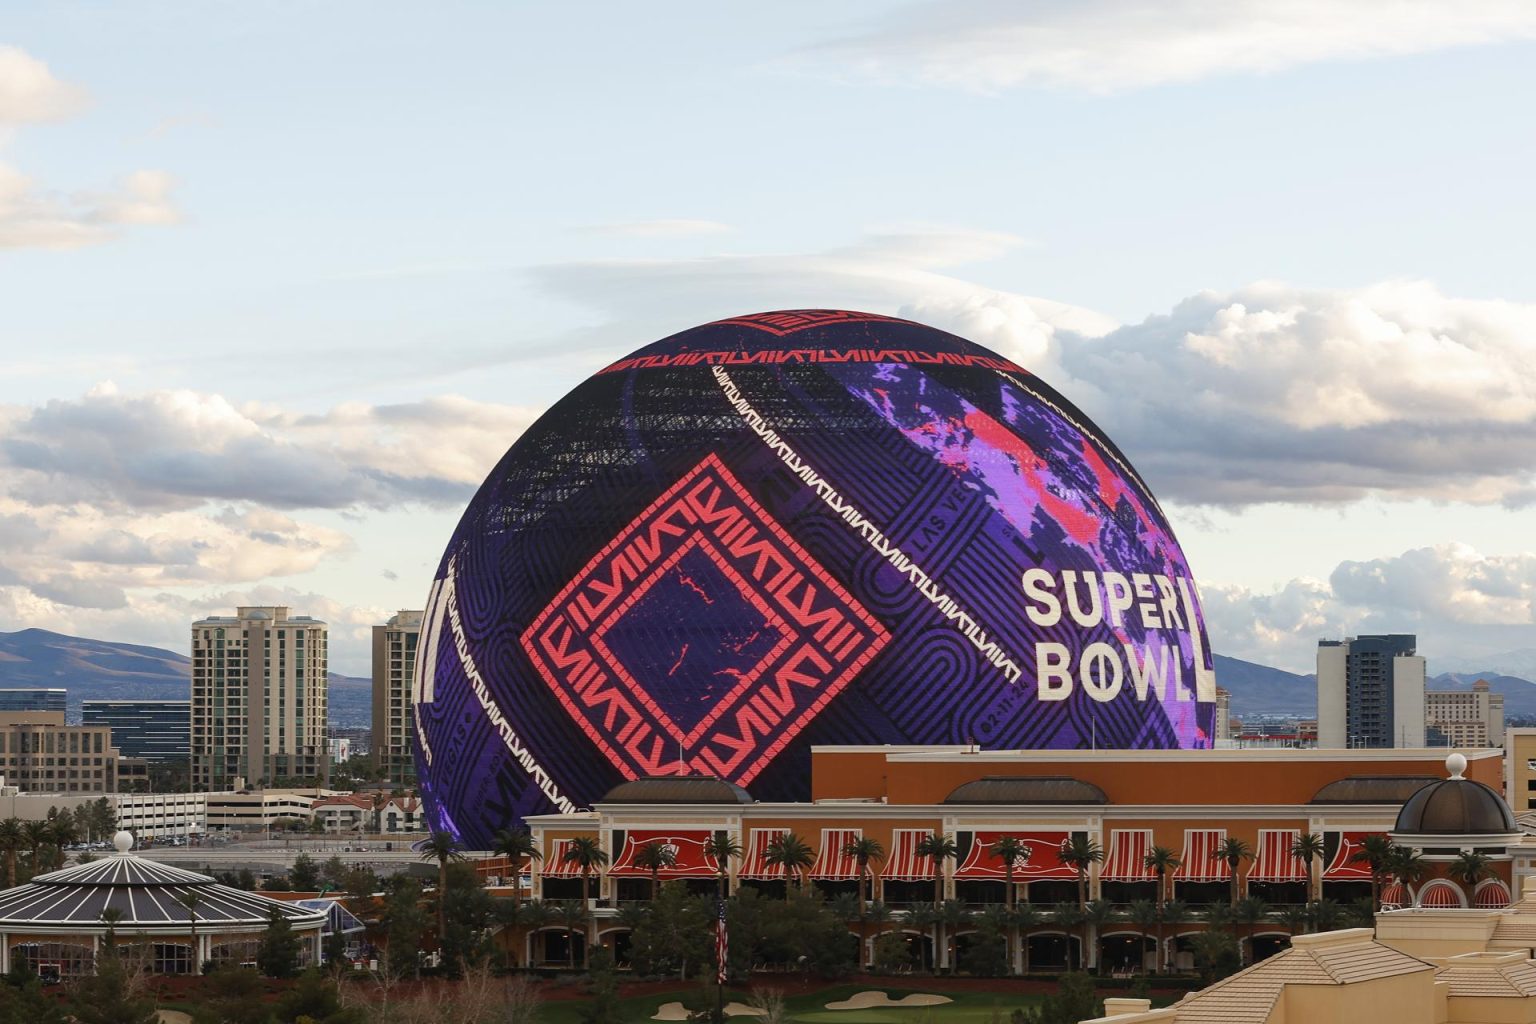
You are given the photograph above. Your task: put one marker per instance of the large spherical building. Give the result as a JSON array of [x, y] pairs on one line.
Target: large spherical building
[[794, 529]]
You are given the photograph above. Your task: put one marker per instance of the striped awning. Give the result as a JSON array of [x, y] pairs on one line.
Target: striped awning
[[1343, 867], [1127, 860], [1491, 895], [905, 864], [555, 865], [689, 851], [1440, 895], [754, 865], [1199, 862], [1276, 862], [1044, 860], [832, 864], [1394, 894]]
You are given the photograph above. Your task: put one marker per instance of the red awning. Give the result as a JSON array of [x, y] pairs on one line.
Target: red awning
[[1199, 862], [832, 864], [1343, 867], [1127, 860], [1394, 894], [692, 859], [1044, 857], [755, 864], [905, 864], [1440, 895], [555, 865], [1491, 895], [1276, 863]]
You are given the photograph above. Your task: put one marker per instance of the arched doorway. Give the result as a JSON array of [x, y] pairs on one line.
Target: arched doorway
[[619, 942], [1267, 944], [1053, 951], [1127, 953], [553, 947]]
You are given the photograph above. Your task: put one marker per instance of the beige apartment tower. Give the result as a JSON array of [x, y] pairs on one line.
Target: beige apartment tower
[[258, 698], [394, 677], [40, 754]]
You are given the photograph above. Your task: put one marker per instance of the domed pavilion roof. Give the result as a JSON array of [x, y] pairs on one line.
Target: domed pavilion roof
[[146, 893], [1456, 806]]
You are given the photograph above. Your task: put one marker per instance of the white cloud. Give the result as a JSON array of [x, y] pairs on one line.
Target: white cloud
[[1274, 393], [30, 93], [179, 449], [1105, 46], [1463, 605], [33, 218]]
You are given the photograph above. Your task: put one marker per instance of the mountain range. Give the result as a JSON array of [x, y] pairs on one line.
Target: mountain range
[[106, 670], [102, 669]]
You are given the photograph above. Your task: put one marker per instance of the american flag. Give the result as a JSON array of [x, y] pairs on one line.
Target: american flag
[[722, 945]]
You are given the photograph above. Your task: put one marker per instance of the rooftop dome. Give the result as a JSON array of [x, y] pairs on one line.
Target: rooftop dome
[[1456, 806], [1372, 789], [677, 789], [1050, 789], [147, 894]]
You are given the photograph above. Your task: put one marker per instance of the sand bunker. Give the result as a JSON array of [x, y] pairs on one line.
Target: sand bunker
[[174, 1017], [879, 1000], [677, 1011]]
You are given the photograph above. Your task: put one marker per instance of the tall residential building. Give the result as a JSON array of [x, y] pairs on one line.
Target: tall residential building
[[1223, 715], [156, 730], [1466, 719], [33, 698], [40, 754], [394, 677], [1370, 692], [258, 698]]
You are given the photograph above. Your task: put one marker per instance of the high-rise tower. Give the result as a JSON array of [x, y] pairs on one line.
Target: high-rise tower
[[394, 675], [258, 698], [1370, 692]]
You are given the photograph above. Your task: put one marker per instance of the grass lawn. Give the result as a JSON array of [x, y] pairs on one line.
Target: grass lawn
[[967, 1008]]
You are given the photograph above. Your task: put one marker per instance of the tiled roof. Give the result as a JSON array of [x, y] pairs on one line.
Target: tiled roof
[[1249, 996], [1512, 981]]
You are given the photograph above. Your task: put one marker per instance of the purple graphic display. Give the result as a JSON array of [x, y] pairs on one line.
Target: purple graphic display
[[790, 529]]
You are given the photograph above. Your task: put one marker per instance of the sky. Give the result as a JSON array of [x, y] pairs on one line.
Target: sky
[[281, 282]]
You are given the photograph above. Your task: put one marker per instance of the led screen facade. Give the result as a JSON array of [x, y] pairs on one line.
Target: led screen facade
[[793, 529]]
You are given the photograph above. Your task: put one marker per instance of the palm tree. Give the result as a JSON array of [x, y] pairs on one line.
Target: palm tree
[[1081, 853], [1067, 917], [952, 915], [1469, 868], [1234, 851], [1144, 914], [1308, 847], [653, 857], [863, 850], [1096, 914], [1162, 862], [1174, 912], [941, 846], [1025, 917], [191, 899], [1294, 919], [442, 847], [1250, 911], [61, 832], [111, 917], [793, 854], [515, 844], [1375, 850], [572, 914], [724, 848], [11, 839], [588, 855], [35, 835], [925, 917], [1011, 851], [1324, 915]]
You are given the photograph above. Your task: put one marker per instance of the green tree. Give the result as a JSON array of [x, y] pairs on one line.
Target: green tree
[[791, 853], [655, 857], [1162, 862], [111, 996], [1250, 911], [1080, 853], [316, 997], [572, 915], [1308, 848], [26, 1002], [232, 995], [304, 876], [278, 954], [1096, 915], [333, 874], [1375, 853], [12, 839], [1407, 865], [442, 847], [722, 848], [1324, 915], [863, 850], [35, 835], [941, 847], [602, 1004], [111, 917], [192, 899], [404, 924], [1145, 915], [1234, 851], [517, 845], [589, 856], [1073, 1001], [1012, 851], [1175, 913], [1469, 868], [1216, 955]]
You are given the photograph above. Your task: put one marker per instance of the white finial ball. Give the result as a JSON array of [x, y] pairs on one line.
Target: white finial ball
[[123, 841], [1456, 764]]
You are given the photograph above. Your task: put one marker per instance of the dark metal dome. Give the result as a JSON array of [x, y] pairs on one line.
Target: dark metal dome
[[1043, 789], [1372, 789], [147, 894], [1455, 807], [677, 789]]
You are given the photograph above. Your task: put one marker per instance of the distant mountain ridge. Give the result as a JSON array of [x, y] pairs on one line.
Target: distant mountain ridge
[[107, 670], [1261, 690]]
